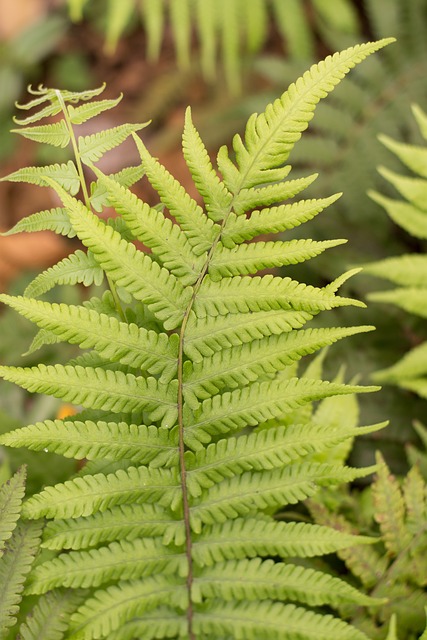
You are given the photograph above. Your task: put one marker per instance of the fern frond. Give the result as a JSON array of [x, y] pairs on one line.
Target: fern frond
[[124, 560], [15, 564], [50, 617], [216, 197], [404, 270], [108, 610], [11, 495], [250, 258], [128, 267], [55, 220], [124, 522], [411, 299], [256, 579], [98, 389], [97, 440], [270, 136], [412, 156], [64, 174], [85, 112], [113, 340], [251, 537], [249, 199], [78, 267], [263, 293], [255, 403], [55, 134], [89, 494], [404, 214], [93, 147], [390, 509], [265, 619], [273, 220]]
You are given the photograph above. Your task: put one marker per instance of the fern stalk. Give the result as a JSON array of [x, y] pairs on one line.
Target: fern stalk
[[86, 199]]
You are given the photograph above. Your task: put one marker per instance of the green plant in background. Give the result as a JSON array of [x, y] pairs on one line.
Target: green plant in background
[[408, 271], [233, 29], [395, 569], [187, 388]]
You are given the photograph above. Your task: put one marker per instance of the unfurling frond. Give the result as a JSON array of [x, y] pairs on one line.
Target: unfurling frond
[[192, 420]]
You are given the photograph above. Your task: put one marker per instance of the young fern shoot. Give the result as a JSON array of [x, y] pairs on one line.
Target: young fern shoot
[[187, 393]]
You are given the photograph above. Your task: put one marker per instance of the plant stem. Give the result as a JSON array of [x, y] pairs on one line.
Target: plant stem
[[181, 443], [85, 192]]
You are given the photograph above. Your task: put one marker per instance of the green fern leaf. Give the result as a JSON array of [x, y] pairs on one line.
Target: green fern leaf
[[124, 560], [411, 299], [124, 522], [256, 579], [97, 440], [250, 258], [85, 112], [390, 509], [98, 389], [404, 214], [122, 342], [263, 293], [50, 617], [249, 199], [11, 495], [265, 619], [251, 537], [269, 137], [108, 610], [64, 174], [404, 270], [412, 156], [93, 147], [55, 220], [215, 195], [78, 267], [15, 564], [55, 134], [89, 494], [273, 220]]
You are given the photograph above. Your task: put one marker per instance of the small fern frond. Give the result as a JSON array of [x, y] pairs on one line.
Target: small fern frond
[[126, 178], [64, 174], [55, 220], [55, 134], [15, 565], [98, 440], [77, 267], [11, 495], [49, 619], [93, 147], [270, 137], [85, 112], [92, 493]]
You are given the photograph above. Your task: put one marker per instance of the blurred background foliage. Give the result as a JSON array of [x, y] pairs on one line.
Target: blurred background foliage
[[227, 58]]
